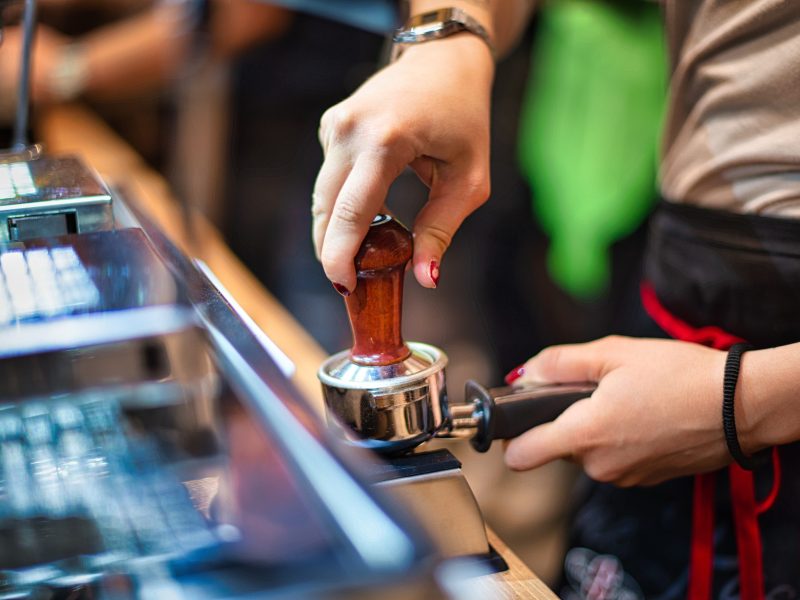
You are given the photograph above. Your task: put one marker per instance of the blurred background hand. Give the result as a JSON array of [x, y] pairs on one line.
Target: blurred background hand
[[47, 51]]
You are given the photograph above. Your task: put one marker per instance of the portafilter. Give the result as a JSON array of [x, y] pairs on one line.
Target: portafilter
[[391, 395]]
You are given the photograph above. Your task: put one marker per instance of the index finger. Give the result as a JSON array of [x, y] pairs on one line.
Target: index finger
[[358, 201], [565, 363], [544, 443], [330, 179]]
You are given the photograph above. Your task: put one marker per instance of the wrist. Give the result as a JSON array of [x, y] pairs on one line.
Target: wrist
[[69, 74], [480, 10], [766, 405], [433, 20], [461, 48]]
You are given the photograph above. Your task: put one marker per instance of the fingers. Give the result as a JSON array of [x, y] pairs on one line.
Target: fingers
[[331, 178], [358, 201], [347, 197], [535, 448], [560, 364], [454, 195], [573, 362], [547, 442]]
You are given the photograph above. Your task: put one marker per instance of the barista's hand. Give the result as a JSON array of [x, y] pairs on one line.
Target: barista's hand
[[48, 45], [428, 110], [656, 414]]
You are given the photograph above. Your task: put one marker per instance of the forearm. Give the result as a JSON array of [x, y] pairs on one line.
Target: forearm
[[145, 51], [768, 398], [237, 25], [135, 55], [505, 20]]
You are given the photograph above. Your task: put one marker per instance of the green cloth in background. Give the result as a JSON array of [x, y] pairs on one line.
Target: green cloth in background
[[590, 128]]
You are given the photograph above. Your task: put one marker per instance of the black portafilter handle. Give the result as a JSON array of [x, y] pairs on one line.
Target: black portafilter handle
[[506, 412]]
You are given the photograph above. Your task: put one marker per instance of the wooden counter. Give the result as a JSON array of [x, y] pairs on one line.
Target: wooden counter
[[74, 129]]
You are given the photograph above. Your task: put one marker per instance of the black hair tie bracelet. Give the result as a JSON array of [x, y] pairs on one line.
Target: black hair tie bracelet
[[729, 419]]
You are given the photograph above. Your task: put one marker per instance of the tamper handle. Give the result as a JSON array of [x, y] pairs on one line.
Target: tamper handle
[[376, 304]]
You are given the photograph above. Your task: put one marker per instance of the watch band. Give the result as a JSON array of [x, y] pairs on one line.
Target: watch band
[[435, 25], [69, 75]]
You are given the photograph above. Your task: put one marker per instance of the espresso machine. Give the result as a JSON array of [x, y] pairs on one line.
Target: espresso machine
[[390, 397], [152, 444]]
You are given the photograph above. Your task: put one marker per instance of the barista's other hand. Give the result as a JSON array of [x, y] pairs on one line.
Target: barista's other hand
[[428, 110], [656, 413], [48, 45]]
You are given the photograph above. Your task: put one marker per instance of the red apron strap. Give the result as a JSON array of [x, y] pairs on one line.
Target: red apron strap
[[748, 535], [745, 509], [767, 502], [701, 559], [681, 330]]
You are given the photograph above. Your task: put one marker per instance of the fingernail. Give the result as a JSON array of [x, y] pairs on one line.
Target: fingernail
[[515, 374], [433, 271], [341, 289]]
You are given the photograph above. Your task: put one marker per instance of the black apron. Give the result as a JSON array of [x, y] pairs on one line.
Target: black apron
[[724, 277]]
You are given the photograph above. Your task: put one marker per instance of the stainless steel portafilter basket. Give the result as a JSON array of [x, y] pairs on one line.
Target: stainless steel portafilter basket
[[391, 396], [391, 408]]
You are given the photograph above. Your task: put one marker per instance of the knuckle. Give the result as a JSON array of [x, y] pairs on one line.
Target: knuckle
[[325, 125], [550, 358], [593, 470], [325, 119], [339, 121], [440, 235], [388, 138], [612, 340], [318, 208], [602, 472], [347, 211], [479, 187], [392, 145]]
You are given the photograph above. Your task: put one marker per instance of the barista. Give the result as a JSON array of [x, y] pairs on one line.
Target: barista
[[723, 267]]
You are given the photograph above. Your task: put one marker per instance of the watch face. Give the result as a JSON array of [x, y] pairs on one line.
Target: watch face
[[421, 30], [429, 22], [434, 16], [435, 25]]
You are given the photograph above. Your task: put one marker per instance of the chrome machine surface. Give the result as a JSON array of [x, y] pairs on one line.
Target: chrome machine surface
[[151, 443]]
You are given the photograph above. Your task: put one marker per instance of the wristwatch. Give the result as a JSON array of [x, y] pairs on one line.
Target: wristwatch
[[67, 79], [435, 25]]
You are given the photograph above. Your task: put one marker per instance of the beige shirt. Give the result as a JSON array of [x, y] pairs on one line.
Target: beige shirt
[[732, 137]]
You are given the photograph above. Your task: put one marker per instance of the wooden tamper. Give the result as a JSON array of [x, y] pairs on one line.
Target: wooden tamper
[[391, 395], [375, 307], [388, 392]]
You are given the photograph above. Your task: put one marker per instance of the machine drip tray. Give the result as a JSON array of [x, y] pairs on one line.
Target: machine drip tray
[[413, 465]]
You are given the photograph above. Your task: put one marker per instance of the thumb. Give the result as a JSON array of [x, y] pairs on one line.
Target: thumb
[[451, 200]]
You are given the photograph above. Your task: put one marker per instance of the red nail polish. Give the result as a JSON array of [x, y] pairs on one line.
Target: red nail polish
[[515, 374], [433, 271], [341, 289]]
